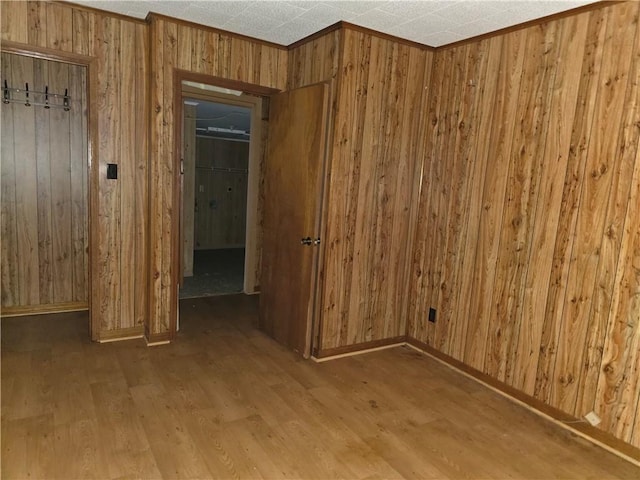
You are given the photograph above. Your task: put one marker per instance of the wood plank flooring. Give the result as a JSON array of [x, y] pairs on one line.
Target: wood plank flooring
[[225, 401]]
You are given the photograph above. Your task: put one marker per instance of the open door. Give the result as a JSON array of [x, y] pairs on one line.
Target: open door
[[293, 184]]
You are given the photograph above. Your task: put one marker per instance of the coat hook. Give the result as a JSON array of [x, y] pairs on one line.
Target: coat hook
[[472, 83], [46, 97], [26, 95], [65, 101], [5, 94]]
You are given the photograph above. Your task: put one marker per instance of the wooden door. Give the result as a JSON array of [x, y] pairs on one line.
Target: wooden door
[[293, 183]]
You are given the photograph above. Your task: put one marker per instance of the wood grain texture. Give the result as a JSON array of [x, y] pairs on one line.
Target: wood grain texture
[[528, 251], [369, 192], [293, 188], [220, 196], [234, 404], [44, 165], [120, 208], [213, 53]]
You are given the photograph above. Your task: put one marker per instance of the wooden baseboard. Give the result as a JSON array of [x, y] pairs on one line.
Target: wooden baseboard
[[22, 311], [358, 348], [584, 430], [158, 339], [121, 334]]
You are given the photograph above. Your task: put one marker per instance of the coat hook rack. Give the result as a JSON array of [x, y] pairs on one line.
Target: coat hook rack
[[28, 97]]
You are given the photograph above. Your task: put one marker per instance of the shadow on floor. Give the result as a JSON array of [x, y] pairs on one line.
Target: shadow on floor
[[215, 272]]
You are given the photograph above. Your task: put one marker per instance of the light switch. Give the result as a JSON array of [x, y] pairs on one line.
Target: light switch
[[112, 171]]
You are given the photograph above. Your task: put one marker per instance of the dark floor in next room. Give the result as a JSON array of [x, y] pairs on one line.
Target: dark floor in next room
[[215, 272]]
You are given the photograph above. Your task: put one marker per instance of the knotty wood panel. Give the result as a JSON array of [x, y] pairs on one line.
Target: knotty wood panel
[[527, 229], [212, 53], [381, 85], [221, 153], [221, 209], [221, 196], [119, 208], [44, 200]]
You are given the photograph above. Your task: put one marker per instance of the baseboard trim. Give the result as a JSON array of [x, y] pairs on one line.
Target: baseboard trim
[[357, 352], [358, 348], [26, 310], [158, 339], [121, 334], [592, 434]]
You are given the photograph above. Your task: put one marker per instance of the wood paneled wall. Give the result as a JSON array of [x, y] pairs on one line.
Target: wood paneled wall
[[513, 182], [119, 208], [179, 45], [314, 61], [44, 189], [374, 154], [528, 225], [377, 89], [221, 195]]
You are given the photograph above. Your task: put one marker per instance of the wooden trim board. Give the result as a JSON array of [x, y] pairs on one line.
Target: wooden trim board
[[23, 311], [357, 352], [122, 334], [358, 348]]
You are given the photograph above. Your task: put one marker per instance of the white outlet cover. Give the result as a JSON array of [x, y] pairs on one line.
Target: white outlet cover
[[592, 418]]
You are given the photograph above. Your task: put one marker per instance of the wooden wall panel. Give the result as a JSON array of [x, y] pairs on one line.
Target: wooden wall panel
[[221, 213], [9, 228], [368, 212], [527, 229], [44, 198], [221, 196], [119, 213], [212, 53], [315, 61]]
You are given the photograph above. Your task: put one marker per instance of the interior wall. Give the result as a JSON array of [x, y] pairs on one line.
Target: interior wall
[[44, 189], [221, 193], [528, 234], [119, 207], [375, 151], [188, 47]]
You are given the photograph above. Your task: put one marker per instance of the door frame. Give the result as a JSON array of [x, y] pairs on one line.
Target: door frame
[[92, 156], [260, 93], [253, 181]]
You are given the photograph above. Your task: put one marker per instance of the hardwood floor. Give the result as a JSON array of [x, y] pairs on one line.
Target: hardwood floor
[[225, 401]]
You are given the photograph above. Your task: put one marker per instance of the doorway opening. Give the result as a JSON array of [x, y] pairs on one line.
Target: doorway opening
[[216, 168], [221, 135]]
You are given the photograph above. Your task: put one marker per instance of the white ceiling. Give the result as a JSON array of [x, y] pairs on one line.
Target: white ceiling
[[430, 22]]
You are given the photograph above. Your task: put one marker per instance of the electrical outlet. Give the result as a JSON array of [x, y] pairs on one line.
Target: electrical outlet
[[592, 418], [432, 315]]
